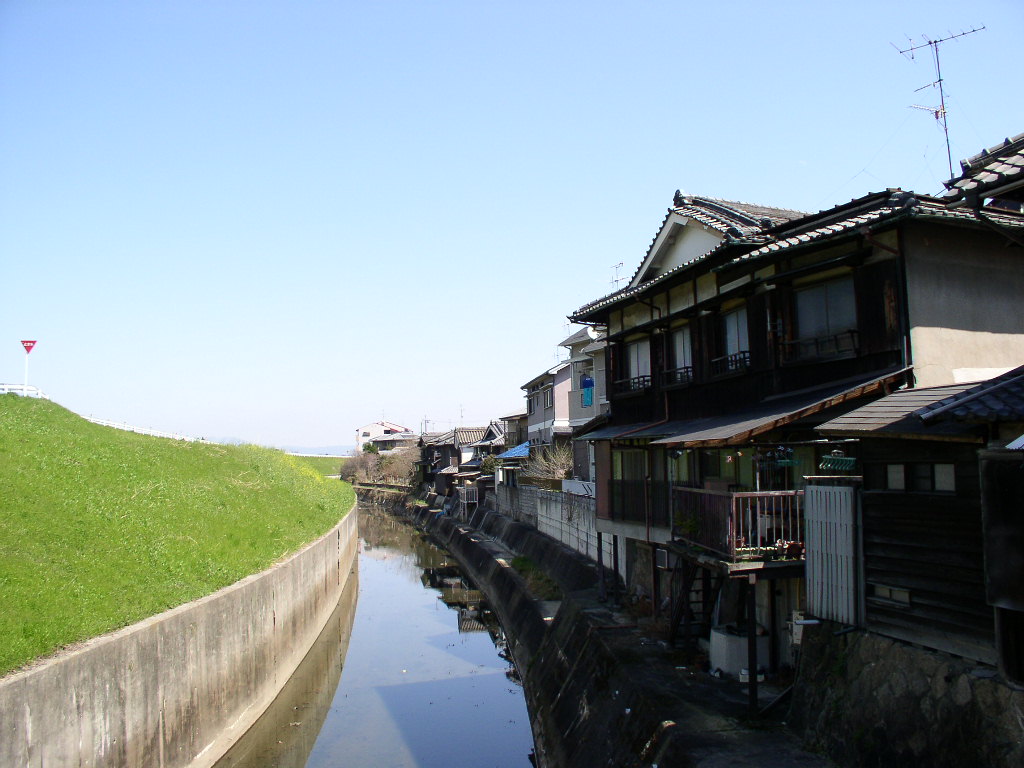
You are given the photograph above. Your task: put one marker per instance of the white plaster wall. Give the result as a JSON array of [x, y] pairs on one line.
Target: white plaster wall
[[965, 302]]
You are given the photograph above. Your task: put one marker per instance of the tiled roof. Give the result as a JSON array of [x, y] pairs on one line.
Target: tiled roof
[[467, 435], [438, 438], [897, 205], [729, 217], [998, 399], [722, 214], [843, 220], [991, 171]]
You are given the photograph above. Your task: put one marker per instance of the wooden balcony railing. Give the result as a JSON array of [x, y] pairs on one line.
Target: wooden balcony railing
[[734, 363], [681, 375], [820, 348], [747, 525], [633, 384]]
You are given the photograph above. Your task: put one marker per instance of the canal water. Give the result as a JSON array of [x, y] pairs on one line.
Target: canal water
[[410, 672]]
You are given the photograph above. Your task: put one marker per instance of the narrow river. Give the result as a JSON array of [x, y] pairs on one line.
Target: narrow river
[[409, 674]]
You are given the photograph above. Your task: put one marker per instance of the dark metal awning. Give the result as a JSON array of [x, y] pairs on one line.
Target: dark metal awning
[[731, 429]]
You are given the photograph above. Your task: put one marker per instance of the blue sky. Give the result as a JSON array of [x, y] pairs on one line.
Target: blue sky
[[277, 221]]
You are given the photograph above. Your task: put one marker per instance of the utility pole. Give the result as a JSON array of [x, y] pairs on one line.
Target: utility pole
[[940, 111]]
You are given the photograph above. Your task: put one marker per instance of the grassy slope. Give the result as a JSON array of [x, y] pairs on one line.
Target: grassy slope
[[325, 465], [101, 528]]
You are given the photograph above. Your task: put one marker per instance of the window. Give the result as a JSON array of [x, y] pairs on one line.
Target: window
[[681, 371], [889, 594], [530, 404], [549, 397], [636, 366], [920, 477], [735, 349], [826, 320], [735, 324]]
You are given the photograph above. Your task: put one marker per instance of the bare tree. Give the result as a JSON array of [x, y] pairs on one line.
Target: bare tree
[[552, 462]]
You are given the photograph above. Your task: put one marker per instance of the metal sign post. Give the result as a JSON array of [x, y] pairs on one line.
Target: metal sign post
[[29, 346]]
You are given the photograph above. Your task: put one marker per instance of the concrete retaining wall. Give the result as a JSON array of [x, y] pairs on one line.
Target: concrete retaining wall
[[178, 688]]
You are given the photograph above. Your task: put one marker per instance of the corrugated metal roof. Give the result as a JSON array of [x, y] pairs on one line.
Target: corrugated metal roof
[[894, 414], [734, 428]]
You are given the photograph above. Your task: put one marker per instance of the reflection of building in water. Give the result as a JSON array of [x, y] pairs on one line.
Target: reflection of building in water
[[474, 615]]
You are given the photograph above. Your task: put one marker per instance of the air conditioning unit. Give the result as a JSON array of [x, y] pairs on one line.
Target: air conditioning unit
[[664, 559]]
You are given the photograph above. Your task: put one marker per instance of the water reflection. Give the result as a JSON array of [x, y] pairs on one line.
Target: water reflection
[[427, 682], [284, 736]]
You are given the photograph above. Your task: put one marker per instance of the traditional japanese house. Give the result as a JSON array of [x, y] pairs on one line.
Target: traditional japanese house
[[936, 554], [721, 364]]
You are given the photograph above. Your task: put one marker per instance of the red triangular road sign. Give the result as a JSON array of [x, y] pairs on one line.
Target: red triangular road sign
[[28, 345]]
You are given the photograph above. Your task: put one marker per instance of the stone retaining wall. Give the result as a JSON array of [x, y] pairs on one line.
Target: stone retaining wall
[[178, 688], [871, 701]]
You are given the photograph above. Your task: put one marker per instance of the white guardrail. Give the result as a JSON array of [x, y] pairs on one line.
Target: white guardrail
[[30, 391], [144, 431], [23, 390]]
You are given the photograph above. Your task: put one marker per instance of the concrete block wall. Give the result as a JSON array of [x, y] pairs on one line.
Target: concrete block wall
[[178, 688]]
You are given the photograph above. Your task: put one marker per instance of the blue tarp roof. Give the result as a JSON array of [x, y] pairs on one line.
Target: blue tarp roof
[[521, 451]]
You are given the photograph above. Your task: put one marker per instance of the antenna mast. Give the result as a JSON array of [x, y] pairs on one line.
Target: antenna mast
[[940, 111]]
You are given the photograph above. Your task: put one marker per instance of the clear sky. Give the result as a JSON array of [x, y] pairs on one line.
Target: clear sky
[[277, 221]]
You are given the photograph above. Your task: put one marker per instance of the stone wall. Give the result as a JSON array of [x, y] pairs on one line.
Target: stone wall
[[178, 688], [871, 701]]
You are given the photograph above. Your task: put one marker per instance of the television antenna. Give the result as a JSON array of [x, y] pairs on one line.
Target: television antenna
[[938, 112], [616, 280]]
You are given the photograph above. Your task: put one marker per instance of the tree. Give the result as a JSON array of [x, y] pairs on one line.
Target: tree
[[552, 462]]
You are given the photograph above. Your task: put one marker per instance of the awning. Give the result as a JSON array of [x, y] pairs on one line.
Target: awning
[[898, 416], [730, 429], [607, 433]]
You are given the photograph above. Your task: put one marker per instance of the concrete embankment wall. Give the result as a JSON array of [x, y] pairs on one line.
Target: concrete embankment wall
[[586, 706], [178, 688]]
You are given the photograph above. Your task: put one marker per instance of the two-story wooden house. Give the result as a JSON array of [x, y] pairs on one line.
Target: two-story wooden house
[[722, 363]]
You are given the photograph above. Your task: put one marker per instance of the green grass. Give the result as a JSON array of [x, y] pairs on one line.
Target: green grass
[[537, 581], [100, 528], [324, 465]]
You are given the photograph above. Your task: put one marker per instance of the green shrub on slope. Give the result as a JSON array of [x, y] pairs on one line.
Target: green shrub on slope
[[101, 528]]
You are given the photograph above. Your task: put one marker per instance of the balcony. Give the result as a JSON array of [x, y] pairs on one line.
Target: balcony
[[639, 501], [729, 364], [678, 376], [749, 525], [821, 348], [630, 385]]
